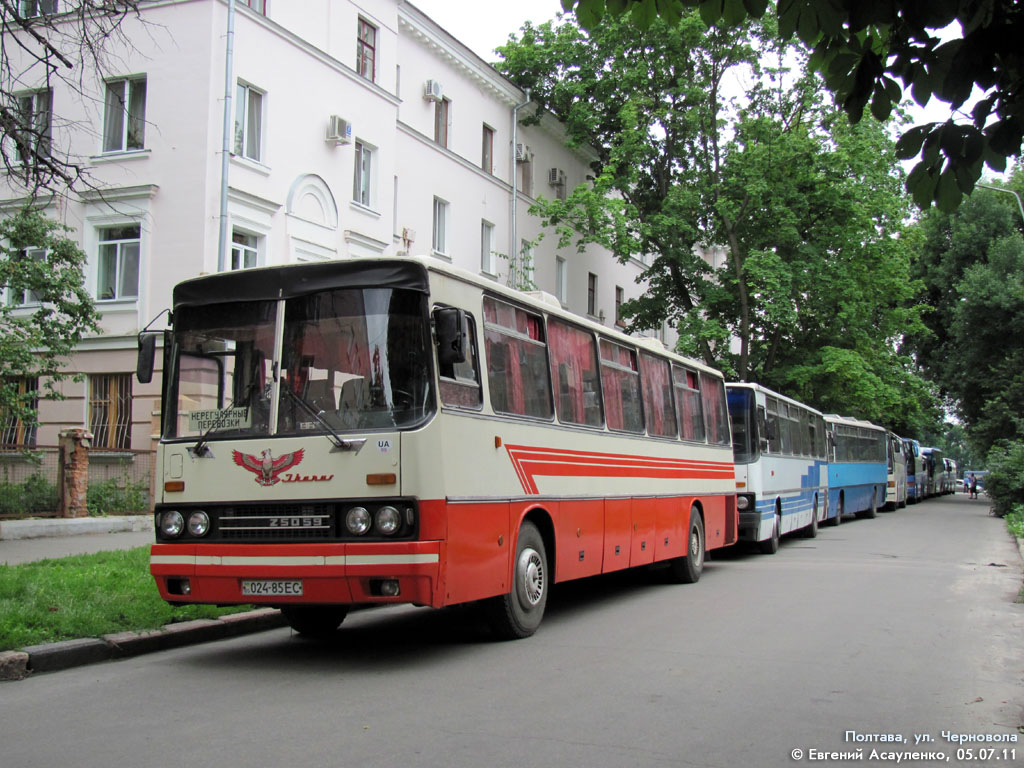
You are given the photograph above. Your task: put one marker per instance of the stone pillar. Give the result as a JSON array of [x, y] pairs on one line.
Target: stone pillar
[[73, 472]]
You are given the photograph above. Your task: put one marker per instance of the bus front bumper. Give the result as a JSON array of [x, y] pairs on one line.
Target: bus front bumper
[[396, 572]]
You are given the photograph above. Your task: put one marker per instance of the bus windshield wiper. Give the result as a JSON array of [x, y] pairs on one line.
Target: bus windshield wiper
[[339, 442]]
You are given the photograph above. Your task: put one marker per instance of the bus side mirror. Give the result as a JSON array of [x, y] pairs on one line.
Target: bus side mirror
[[452, 329], [146, 358]]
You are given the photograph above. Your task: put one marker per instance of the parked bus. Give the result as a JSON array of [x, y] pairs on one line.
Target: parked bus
[[781, 469], [896, 486], [858, 468], [915, 470], [933, 469], [949, 476], [400, 431]]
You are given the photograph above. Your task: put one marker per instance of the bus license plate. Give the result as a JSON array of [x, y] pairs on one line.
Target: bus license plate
[[276, 588]]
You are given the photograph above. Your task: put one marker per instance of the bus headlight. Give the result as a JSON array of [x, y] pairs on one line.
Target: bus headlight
[[744, 502], [199, 523], [357, 520], [172, 524], [388, 520]]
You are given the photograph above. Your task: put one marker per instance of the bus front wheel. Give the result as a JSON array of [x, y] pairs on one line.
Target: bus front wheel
[[771, 545], [519, 613]]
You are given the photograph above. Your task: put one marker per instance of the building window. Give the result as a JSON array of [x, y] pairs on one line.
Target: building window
[[487, 248], [487, 150], [35, 118], [119, 263], [244, 250], [260, 6], [561, 280], [14, 431], [124, 116], [442, 115], [592, 294], [27, 296], [619, 299], [440, 240], [248, 122], [110, 410], [29, 8], [366, 50], [362, 184]]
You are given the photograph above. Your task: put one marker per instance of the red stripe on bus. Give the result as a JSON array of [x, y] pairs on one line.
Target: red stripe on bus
[[532, 462]]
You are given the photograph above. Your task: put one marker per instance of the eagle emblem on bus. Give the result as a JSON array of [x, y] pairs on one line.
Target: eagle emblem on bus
[[265, 466]]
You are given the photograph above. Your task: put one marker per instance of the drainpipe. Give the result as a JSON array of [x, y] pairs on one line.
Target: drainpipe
[[225, 157], [513, 259]]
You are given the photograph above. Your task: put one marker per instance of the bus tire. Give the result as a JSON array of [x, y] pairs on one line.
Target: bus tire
[[687, 569], [872, 513], [519, 613], [839, 514], [314, 620], [771, 545], [811, 531]]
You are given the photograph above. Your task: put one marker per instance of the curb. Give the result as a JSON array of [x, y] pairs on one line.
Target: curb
[[17, 665], [38, 528]]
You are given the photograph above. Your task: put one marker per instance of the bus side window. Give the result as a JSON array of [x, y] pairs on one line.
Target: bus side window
[[517, 361], [762, 427], [460, 382], [774, 432], [689, 407], [575, 372], [620, 381]]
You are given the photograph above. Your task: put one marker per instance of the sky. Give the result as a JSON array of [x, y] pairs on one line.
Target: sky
[[483, 25]]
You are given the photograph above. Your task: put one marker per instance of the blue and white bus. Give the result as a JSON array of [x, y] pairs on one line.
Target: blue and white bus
[[896, 488], [915, 471], [858, 468], [780, 452]]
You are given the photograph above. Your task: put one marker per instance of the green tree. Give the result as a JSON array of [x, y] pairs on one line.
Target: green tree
[[37, 336], [972, 266], [815, 287], [867, 48]]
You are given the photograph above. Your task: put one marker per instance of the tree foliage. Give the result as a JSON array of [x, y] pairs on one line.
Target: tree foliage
[[41, 50], [36, 337], [972, 266], [873, 52], [808, 210]]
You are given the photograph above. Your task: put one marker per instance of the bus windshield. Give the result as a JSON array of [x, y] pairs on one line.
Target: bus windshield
[[744, 425], [349, 360]]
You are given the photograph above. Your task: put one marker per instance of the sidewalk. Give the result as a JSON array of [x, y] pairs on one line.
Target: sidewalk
[[23, 541]]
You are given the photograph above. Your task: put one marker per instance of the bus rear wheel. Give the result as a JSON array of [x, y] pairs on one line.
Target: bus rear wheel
[[519, 613], [687, 569], [811, 531], [872, 512], [314, 620]]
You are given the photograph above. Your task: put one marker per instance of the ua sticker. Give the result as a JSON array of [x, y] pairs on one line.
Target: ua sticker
[[384, 445]]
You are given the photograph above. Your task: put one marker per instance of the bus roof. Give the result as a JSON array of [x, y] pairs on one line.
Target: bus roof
[[835, 418], [770, 392]]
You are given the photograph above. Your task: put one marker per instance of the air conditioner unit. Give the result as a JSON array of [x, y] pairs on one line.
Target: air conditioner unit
[[339, 130], [556, 177], [432, 90], [522, 153]]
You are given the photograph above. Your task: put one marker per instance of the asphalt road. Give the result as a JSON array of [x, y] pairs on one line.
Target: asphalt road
[[902, 626]]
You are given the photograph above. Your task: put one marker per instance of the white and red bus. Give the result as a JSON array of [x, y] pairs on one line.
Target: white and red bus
[[389, 431]]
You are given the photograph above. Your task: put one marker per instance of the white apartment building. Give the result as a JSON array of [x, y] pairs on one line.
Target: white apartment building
[[359, 129]]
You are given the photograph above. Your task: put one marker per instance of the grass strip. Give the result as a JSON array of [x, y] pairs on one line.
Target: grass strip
[[86, 596]]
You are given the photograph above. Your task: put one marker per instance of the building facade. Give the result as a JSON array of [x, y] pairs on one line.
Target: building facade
[[356, 129]]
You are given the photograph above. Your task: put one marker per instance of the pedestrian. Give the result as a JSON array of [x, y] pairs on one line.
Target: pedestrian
[[972, 484]]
